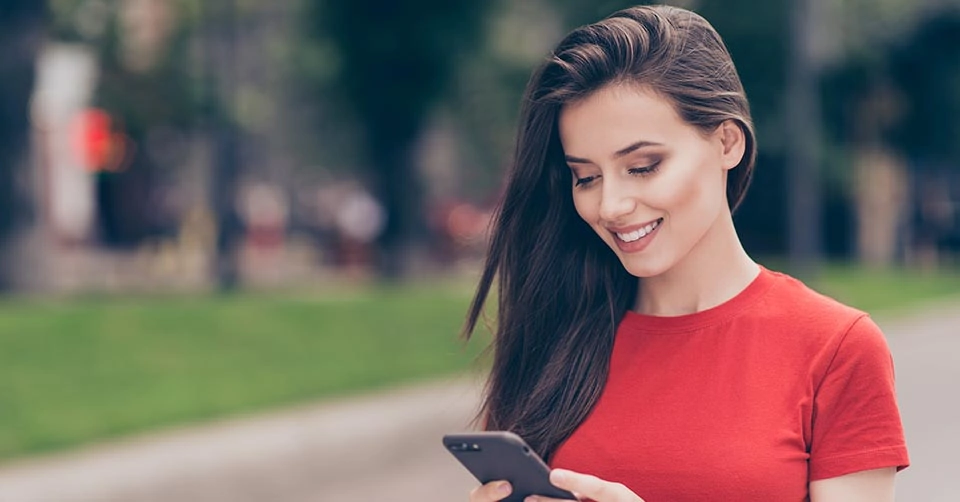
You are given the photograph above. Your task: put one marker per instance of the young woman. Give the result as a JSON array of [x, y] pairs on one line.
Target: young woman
[[638, 348]]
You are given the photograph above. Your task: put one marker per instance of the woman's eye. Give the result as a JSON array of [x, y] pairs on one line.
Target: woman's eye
[[644, 171], [585, 181]]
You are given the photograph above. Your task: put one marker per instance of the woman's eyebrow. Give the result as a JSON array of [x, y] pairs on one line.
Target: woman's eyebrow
[[619, 153], [633, 147], [576, 160]]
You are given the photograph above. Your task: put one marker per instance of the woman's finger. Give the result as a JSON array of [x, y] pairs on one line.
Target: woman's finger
[[491, 492], [592, 487]]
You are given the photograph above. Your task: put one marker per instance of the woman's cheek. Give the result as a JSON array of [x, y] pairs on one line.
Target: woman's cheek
[[697, 190], [679, 190]]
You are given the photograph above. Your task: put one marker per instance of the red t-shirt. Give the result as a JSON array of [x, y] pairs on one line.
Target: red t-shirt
[[747, 401]]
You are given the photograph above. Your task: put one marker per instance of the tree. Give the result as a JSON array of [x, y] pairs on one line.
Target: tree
[[395, 61], [145, 87], [927, 70], [21, 30], [895, 109]]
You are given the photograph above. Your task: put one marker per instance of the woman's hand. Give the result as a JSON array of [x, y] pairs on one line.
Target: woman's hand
[[586, 486], [491, 492]]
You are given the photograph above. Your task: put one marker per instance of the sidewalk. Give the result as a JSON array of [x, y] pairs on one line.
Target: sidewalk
[[926, 351], [350, 450], [386, 446]]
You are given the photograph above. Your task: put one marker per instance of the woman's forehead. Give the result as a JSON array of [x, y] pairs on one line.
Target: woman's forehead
[[607, 120]]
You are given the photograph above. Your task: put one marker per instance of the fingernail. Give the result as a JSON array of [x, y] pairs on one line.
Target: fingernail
[[531, 498], [558, 476], [504, 489]]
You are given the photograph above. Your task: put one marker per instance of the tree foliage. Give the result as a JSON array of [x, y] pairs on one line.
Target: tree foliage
[[926, 67], [395, 61]]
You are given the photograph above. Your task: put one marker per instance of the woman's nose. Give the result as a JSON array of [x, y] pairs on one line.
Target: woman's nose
[[615, 201]]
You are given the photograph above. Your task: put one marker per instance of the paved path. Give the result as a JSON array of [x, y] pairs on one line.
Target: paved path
[[386, 447], [926, 351]]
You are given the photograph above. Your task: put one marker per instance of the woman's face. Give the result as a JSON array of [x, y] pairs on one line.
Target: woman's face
[[648, 183]]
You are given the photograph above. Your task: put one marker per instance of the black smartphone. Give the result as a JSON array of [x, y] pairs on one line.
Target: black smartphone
[[498, 455]]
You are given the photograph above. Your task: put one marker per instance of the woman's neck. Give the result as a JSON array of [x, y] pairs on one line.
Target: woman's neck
[[714, 271]]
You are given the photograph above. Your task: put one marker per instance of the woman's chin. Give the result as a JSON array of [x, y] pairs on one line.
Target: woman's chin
[[643, 268]]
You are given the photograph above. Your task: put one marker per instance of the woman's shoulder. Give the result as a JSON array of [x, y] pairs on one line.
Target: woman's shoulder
[[797, 308], [807, 321], [796, 298]]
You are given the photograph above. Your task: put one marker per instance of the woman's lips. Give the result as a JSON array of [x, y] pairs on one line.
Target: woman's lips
[[638, 238]]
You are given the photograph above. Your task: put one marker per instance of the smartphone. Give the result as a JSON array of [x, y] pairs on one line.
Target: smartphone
[[499, 455]]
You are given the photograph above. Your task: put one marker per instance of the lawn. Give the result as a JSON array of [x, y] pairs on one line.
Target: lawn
[[890, 291], [76, 371]]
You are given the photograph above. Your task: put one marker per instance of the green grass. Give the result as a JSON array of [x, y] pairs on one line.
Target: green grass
[[886, 291], [77, 371], [73, 372]]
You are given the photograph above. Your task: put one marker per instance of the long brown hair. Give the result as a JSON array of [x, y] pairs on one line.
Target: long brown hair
[[562, 291]]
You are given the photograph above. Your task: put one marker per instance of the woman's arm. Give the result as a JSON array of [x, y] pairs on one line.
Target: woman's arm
[[866, 486]]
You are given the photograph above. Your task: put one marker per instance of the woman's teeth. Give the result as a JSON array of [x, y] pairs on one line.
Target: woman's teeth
[[640, 232]]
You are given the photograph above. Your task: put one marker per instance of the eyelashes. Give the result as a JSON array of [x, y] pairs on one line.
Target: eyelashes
[[644, 171], [636, 171], [582, 182]]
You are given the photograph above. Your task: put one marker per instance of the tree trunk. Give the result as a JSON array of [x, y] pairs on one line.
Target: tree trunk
[[21, 31], [221, 23], [803, 135], [399, 188]]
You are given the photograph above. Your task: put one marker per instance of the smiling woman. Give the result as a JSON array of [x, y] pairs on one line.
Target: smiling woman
[[626, 193], [639, 349]]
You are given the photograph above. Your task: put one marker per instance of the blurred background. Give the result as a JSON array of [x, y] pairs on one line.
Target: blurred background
[[246, 232]]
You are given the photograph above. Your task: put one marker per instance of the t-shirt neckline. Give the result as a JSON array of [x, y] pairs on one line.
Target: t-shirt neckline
[[646, 323]]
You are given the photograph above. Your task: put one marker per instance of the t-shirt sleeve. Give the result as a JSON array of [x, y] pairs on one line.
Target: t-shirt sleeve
[[856, 423]]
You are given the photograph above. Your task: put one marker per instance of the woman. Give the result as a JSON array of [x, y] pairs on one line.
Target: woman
[[658, 360]]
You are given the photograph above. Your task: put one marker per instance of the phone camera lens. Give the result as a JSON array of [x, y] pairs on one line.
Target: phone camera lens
[[526, 450]]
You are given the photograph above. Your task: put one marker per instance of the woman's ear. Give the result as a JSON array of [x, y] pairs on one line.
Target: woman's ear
[[734, 143]]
